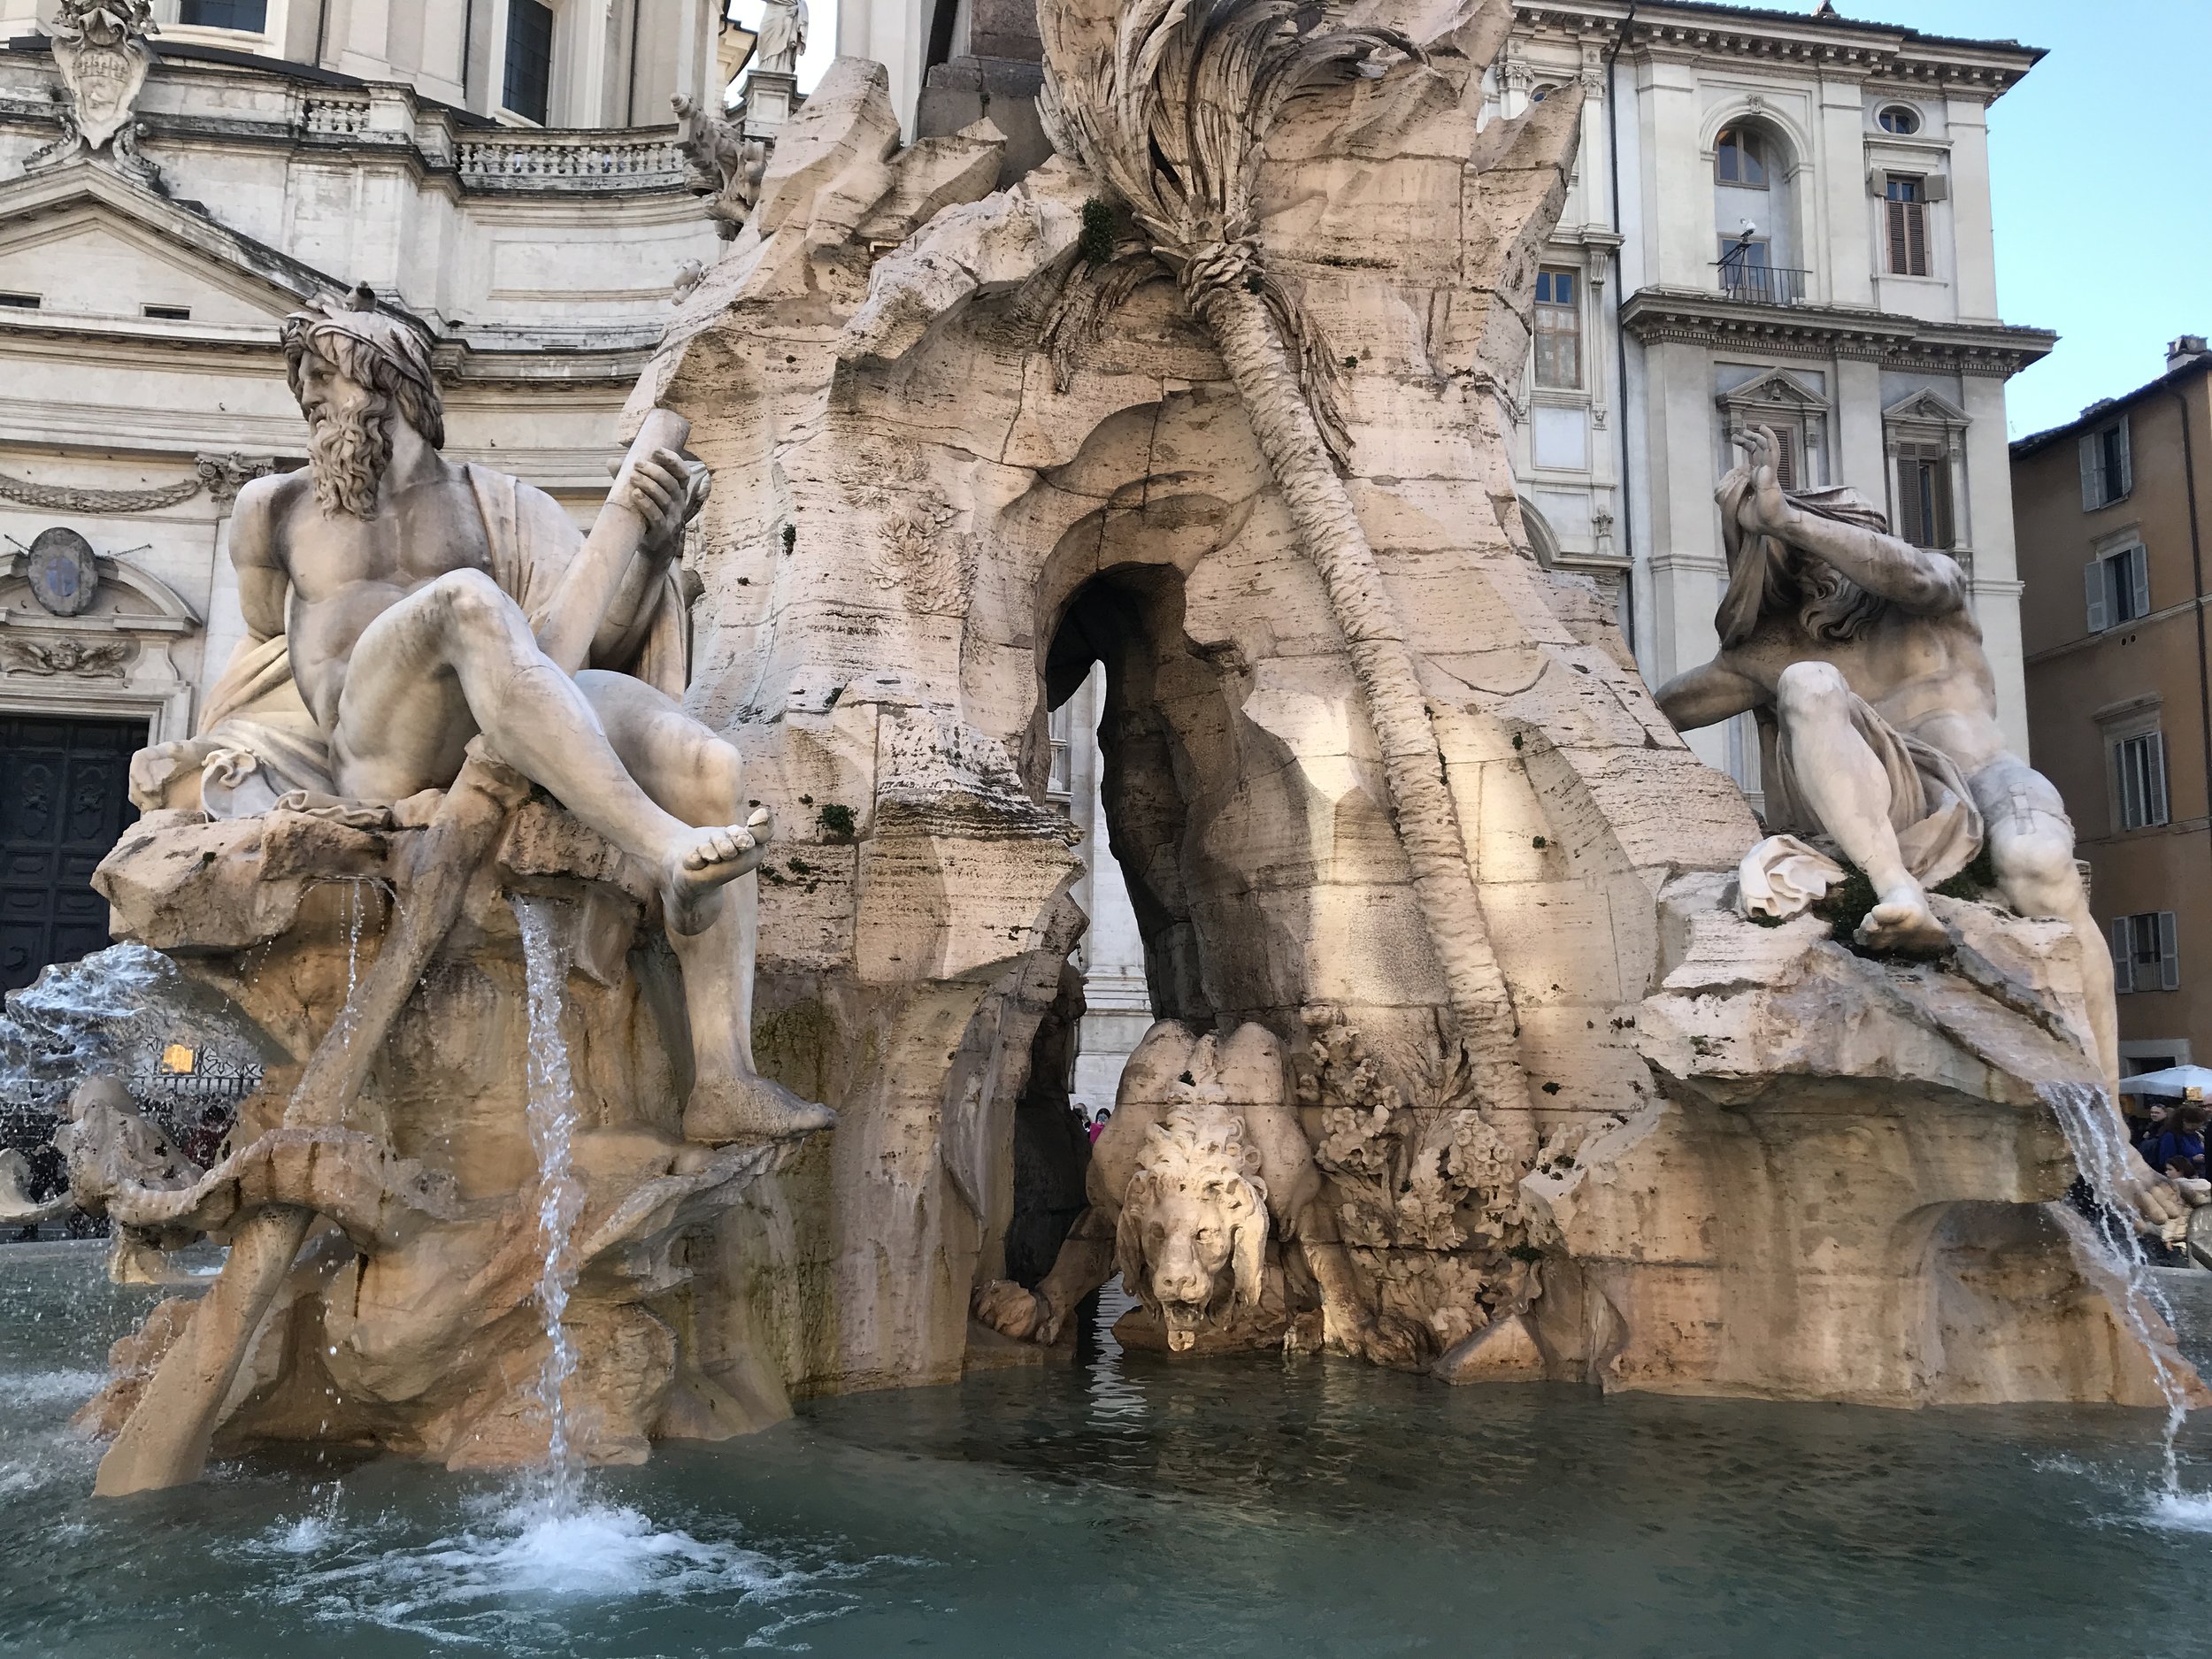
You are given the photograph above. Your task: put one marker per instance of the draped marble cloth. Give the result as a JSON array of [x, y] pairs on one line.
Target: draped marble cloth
[[271, 748], [1939, 829]]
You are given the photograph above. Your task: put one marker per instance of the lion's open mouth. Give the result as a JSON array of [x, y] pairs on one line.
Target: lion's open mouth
[[1181, 1320]]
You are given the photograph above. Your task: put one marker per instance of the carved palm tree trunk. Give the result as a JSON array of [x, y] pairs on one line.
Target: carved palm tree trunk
[[1169, 101], [1266, 377]]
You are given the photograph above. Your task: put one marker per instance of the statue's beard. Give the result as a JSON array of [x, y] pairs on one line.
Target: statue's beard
[[347, 453]]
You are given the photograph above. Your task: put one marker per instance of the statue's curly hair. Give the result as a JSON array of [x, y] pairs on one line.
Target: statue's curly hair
[[1200, 1146]]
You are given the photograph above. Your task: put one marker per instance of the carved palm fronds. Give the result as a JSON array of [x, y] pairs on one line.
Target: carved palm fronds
[[1168, 103]]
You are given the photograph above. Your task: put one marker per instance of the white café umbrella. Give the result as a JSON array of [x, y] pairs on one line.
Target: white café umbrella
[[2176, 1082]]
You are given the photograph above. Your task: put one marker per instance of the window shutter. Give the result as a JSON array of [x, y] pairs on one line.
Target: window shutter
[[1946, 531], [2127, 462], [2138, 567], [1910, 510], [2123, 956], [1786, 458], [2093, 581], [2155, 778], [1915, 239], [2169, 955], [1898, 249], [1935, 187], [2092, 473], [1878, 183]]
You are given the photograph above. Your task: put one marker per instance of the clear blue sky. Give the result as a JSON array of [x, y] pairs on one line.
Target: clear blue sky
[[2102, 177], [2102, 166]]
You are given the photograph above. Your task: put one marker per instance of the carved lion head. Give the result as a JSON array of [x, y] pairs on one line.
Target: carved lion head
[[1192, 1241]]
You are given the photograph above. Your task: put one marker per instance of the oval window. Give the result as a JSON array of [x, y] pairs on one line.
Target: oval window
[[1900, 120]]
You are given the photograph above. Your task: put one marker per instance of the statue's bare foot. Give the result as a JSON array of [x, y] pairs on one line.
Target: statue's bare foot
[[706, 861], [750, 1107], [1904, 924]]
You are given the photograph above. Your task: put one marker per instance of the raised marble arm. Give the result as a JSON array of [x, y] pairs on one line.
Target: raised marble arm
[[1917, 579]]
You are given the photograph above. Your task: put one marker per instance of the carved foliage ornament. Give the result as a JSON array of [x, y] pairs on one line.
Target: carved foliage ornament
[[222, 476]]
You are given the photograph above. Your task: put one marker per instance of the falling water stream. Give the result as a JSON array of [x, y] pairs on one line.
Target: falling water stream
[[2100, 1153], [552, 1114]]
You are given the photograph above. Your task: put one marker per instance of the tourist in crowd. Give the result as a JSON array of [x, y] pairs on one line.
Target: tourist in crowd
[[1098, 1123], [2179, 1149]]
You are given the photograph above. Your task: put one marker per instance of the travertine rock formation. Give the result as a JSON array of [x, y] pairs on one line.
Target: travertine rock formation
[[968, 444], [411, 1320], [1465, 1056]]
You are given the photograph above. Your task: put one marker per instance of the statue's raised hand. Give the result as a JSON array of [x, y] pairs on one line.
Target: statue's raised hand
[[666, 491], [1765, 510]]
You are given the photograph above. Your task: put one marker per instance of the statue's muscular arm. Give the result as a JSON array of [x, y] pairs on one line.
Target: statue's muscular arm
[[1923, 582], [263, 580], [1707, 696]]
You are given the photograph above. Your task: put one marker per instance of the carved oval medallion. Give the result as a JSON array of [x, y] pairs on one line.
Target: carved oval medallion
[[63, 578]]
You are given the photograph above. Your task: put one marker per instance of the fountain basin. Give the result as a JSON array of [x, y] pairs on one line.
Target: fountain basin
[[1140, 1505]]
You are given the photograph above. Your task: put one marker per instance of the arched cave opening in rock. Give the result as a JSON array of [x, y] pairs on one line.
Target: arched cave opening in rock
[[1135, 713]]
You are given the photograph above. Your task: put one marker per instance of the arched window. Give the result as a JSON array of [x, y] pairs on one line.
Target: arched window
[[1899, 119], [1743, 159], [1542, 90]]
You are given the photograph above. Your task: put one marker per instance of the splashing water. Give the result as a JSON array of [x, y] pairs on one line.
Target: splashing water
[[2101, 1155], [552, 1114]]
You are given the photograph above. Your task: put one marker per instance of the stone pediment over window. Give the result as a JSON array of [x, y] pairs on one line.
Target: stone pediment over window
[[111, 657], [1925, 416], [1778, 389]]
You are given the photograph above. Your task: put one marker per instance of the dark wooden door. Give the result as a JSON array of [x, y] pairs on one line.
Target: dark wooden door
[[65, 799]]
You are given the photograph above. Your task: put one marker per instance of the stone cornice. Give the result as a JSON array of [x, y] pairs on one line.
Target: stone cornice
[[129, 342], [1682, 30], [1654, 316]]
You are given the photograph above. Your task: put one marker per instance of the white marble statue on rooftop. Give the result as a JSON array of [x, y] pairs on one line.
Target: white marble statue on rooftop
[[1865, 650], [396, 606], [782, 36]]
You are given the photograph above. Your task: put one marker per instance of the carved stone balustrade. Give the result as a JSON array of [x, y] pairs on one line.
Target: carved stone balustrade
[[637, 159]]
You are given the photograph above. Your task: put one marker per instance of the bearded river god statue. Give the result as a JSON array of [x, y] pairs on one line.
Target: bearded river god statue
[[429, 647]]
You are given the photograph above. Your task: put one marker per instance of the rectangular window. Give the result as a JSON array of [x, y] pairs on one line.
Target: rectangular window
[[1905, 207], [19, 301], [529, 84], [249, 15], [1558, 329], [2145, 957], [2117, 589], [1923, 496], [166, 313], [2139, 765], [2107, 471]]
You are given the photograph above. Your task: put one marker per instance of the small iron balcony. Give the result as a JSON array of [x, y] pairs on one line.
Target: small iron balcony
[[1763, 284]]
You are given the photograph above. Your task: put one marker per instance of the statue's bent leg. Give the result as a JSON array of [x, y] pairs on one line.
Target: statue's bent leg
[[2032, 846], [694, 776], [456, 656], [1841, 778]]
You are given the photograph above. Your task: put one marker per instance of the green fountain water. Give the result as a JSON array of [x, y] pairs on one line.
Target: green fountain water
[[1124, 1505]]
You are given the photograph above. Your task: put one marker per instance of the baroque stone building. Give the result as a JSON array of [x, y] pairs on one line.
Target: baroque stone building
[[2112, 547], [1776, 218], [502, 173]]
